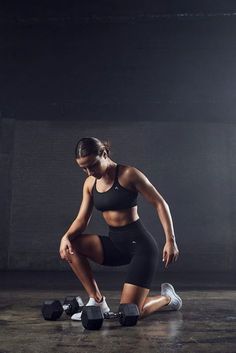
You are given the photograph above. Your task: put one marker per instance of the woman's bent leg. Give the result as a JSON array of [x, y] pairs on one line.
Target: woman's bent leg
[[86, 246], [81, 267], [153, 304], [147, 305]]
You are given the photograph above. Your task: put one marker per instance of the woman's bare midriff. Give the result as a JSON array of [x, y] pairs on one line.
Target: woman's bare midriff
[[122, 217]]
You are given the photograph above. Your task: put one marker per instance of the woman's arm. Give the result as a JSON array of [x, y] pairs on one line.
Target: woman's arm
[[77, 227], [81, 221], [144, 186]]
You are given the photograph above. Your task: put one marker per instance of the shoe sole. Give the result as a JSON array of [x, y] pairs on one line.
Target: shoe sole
[[175, 295]]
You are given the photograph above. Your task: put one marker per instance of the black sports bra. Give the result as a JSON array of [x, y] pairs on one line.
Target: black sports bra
[[116, 198]]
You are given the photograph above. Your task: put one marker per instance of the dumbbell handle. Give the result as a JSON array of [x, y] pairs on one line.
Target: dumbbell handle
[[66, 306], [111, 315]]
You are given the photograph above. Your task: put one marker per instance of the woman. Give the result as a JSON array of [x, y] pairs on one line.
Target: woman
[[113, 189]]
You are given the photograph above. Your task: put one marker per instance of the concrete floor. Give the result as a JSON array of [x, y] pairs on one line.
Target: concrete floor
[[206, 323]]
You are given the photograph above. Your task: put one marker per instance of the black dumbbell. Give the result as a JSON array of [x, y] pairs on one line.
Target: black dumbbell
[[72, 305], [92, 317], [127, 315], [52, 309]]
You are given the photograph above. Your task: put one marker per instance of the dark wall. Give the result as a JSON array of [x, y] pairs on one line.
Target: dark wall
[[158, 80], [165, 61], [191, 165]]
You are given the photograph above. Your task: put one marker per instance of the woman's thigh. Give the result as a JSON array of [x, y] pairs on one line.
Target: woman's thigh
[[113, 256], [144, 263], [100, 249], [89, 245]]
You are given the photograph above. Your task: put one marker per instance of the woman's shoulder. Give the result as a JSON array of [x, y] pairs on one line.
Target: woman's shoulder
[[127, 174], [89, 183], [136, 178], [128, 170]]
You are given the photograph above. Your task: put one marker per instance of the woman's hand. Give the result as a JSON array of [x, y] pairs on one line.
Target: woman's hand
[[170, 252], [65, 247]]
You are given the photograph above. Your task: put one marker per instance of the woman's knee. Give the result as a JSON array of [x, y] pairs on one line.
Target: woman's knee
[[81, 243], [133, 293], [90, 246]]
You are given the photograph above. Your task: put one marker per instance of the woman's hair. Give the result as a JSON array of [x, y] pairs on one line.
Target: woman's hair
[[91, 145]]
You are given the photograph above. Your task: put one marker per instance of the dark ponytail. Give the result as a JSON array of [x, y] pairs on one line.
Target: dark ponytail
[[91, 145]]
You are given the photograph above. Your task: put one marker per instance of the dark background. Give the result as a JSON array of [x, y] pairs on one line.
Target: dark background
[[155, 78]]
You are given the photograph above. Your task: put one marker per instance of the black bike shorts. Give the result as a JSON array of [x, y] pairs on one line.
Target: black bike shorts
[[132, 244]]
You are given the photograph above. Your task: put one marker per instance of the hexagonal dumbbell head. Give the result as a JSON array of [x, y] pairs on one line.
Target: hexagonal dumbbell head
[[52, 309], [92, 317], [128, 314], [72, 305]]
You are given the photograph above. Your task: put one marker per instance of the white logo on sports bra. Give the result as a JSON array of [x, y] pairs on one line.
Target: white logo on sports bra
[[116, 188]]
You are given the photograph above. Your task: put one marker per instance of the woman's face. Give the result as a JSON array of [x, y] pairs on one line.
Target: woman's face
[[93, 165]]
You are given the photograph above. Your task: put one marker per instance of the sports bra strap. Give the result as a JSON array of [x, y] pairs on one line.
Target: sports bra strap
[[94, 185], [116, 175]]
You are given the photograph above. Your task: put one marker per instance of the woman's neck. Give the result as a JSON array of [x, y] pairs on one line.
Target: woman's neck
[[109, 173]]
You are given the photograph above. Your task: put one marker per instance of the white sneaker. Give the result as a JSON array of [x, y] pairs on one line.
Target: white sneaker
[[175, 301], [103, 305]]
